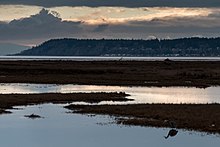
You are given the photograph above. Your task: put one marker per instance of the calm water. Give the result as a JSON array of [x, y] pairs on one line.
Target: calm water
[[139, 94], [59, 128], [98, 58]]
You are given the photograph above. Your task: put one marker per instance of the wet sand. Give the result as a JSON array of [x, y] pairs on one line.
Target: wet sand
[[7, 101], [130, 73], [199, 117]]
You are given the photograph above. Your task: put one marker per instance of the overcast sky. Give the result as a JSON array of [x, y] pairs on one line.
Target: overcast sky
[[32, 22], [117, 3]]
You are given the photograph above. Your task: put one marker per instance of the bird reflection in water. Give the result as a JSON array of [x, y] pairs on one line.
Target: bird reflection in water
[[173, 131]]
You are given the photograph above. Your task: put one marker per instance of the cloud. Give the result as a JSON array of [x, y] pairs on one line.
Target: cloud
[[215, 14], [172, 27], [42, 25], [101, 28], [100, 15], [175, 26], [121, 3]]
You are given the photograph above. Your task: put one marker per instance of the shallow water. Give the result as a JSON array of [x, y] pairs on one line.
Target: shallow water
[[100, 58], [59, 128], [139, 94]]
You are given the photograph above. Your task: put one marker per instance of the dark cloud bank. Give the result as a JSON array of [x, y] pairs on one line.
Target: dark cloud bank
[[122, 3], [44, 26]]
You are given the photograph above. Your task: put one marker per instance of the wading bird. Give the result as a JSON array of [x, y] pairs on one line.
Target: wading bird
[[173, 131]]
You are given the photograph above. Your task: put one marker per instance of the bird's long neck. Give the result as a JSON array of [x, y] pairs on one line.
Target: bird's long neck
[[166, 136]]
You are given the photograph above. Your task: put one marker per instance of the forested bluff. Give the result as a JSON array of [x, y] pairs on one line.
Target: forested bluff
[[194, 47]]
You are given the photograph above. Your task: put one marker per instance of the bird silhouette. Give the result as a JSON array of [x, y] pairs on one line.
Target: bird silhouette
[[171, 133]]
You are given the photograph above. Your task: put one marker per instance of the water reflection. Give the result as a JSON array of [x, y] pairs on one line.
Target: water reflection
[[59, 128], [139, 94]]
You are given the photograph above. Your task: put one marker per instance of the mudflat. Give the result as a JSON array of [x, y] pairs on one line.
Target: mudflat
[[199, 117], [205, 117], [7, 101], [136, 73]]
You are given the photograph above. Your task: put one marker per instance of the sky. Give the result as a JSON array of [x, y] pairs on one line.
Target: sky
[[26, 22]]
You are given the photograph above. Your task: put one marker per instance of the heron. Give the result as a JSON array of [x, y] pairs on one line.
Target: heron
[[173, 131]]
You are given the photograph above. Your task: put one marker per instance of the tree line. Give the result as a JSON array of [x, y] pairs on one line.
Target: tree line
[[123, 47]]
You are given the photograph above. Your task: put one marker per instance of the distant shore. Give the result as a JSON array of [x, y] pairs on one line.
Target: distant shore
[[104, 58], [121, 73]]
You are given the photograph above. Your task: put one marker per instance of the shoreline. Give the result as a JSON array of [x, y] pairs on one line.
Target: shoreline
[[8, 101], [197, 117], [116, 73], [107, 58]]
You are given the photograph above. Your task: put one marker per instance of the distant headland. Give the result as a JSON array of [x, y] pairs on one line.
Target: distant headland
[[183, 47]]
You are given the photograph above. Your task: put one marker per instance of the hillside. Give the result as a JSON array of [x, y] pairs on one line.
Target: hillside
[[121, 47]]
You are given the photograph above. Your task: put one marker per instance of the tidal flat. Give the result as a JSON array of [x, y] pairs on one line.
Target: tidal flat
[[7, 101], [120, 73], [199, 117]]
